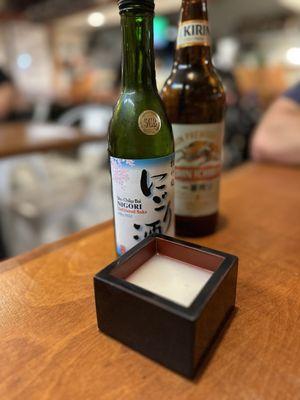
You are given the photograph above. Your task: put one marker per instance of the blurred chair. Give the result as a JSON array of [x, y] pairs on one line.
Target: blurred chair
[[38, 201], [41, 111], [46, 196], [93, 119]]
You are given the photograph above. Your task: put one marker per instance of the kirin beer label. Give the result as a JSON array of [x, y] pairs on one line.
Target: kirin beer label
[[193, 33], [198, 168]]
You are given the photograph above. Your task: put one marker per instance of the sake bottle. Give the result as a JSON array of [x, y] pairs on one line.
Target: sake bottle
[[141, 144]]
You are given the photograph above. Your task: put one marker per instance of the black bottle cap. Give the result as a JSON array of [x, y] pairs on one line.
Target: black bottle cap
[[138, 5]]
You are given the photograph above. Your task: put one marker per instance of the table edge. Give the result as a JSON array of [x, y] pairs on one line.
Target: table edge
[[47, 248]]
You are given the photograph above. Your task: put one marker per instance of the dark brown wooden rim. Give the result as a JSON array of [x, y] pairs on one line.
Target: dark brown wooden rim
[[190, 313]]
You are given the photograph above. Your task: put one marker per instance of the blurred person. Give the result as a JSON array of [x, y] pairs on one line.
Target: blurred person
[[7, 96], [243, 110], [3, 253], [277, 137]]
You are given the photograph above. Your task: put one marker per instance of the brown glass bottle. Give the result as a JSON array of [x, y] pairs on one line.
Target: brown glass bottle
[[195, 102]]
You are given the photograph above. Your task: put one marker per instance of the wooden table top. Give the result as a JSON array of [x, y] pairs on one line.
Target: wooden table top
[[49, 342], [21, 138]]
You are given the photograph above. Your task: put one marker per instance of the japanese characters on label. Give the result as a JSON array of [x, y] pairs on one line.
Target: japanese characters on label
[[193, 33], [143, 198], [198, 168]]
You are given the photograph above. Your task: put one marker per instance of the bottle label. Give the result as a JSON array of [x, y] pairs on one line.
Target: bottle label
[[143, 199], [198, 168], [149, 122], [193, 33]]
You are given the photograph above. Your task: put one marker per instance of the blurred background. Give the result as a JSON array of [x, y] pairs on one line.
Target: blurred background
[[60, 77]]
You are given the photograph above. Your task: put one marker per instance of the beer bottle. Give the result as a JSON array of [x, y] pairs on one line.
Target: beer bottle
[[195, 102], [141, 144]]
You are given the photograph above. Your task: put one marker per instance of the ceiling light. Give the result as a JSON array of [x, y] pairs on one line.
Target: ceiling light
[[96, 19], [293, 55], [291, 4], [24, 61]]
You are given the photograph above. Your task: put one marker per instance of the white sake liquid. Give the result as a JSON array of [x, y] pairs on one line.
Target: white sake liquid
[[175, 280]]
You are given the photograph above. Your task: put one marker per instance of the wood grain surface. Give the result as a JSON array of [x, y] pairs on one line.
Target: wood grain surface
[[50, 347], [15, 140]]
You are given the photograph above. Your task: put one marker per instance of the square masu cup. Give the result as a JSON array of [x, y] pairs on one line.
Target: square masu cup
[[175, 336]]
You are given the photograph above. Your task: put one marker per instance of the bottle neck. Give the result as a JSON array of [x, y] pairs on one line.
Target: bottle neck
[[138, 66], [193, 42]]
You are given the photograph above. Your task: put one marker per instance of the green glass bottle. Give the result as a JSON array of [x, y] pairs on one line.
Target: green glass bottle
[[141, 144]]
